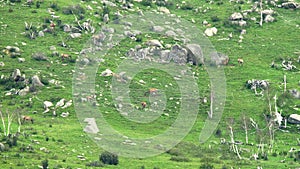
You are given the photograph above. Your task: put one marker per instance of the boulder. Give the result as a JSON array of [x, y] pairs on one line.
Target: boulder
[[242, 23], [269, 18], [16, 74], [294, 119], [47, 104], [105, 18], [24, 91], [194, 54], [75, 35], [178, 54], [154, 42], [157, 28], [107, 72], [36, 81], [21, 60], [219, 58], [236, 16], [164, 10], [290, 5], [295, 93], [210, 31]]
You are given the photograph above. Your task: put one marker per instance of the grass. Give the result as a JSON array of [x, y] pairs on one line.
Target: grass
[[66, 139]]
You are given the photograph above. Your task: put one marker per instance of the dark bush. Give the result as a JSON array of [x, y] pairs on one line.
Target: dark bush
[[215, 18], [180, 159], [146, 2], [54, 6], [45, 164], [39, 56], [73, 9], [206, 166], [95, 164], [187, 6], [109, 158]]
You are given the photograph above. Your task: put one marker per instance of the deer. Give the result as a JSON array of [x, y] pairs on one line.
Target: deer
[[27, 118]]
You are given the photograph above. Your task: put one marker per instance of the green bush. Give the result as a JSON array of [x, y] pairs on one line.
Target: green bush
[[73, 9], [45, 164], [206, 166], [54, 6], [180, 159], [109, 158], [95, 164], [146, 2]]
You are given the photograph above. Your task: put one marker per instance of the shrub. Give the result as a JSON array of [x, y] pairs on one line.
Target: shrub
[[54, 6], [39, 56], [146, 2], [95, 164], [187, 6], [174, 152], [215, 18], [74, 9], [180, 159], [45, 164], [109, 158], [206, 166]]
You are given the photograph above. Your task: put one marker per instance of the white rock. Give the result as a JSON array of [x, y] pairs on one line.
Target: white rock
[[107, 72], [164, 10], [2, 64], [21, 60], [211, 31]]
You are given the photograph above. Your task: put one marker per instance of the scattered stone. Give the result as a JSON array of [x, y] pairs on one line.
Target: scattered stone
[[236, 16], [16, 74], [36, 81], [106, 73], [294, 119], [219, 58], [157, 29], [91, 126], [269, 18], [211, 31], [295, 93], [290, 5], [170, 33], [194, 54], [41, 34], [2, 64], [154, 42], [205, 22], [21, 60], [52, 48], [75, 35], [106, 18], [67, 28], [65, 114], [24, 91], [164, 10]]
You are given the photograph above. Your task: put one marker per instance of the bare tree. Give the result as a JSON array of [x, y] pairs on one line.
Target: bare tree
[[246, 125], [7, 127], [261, 13], [233, 146]]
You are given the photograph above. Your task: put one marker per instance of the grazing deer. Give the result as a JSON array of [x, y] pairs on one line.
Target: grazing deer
[[240, 61], [144, 104], [27, 118], [151, 91], [65, 56]]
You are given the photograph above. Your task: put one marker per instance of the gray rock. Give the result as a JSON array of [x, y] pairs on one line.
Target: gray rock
[[211, 31], [269, 18], [91, 126], [105, 18], [21, 60], [154, 42], [290, 5], [295, 93], [2, 147], [219, 58], [75, 35], [41, 34], [2, 64], [194, 54], [52, 48], [178, 54], [157, 28], [36, 81], [16, 74], [294, 119], [242, 23], [236, 16], [67, 28], [170, 33], [24, 91]]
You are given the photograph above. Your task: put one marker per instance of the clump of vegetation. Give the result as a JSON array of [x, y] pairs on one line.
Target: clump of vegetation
[[45, 164], [39, 56], [206, 166], [73, 9], [54, 6], [146, 2], [187, 6], [95, 164], [109, 158], [180, 159]]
